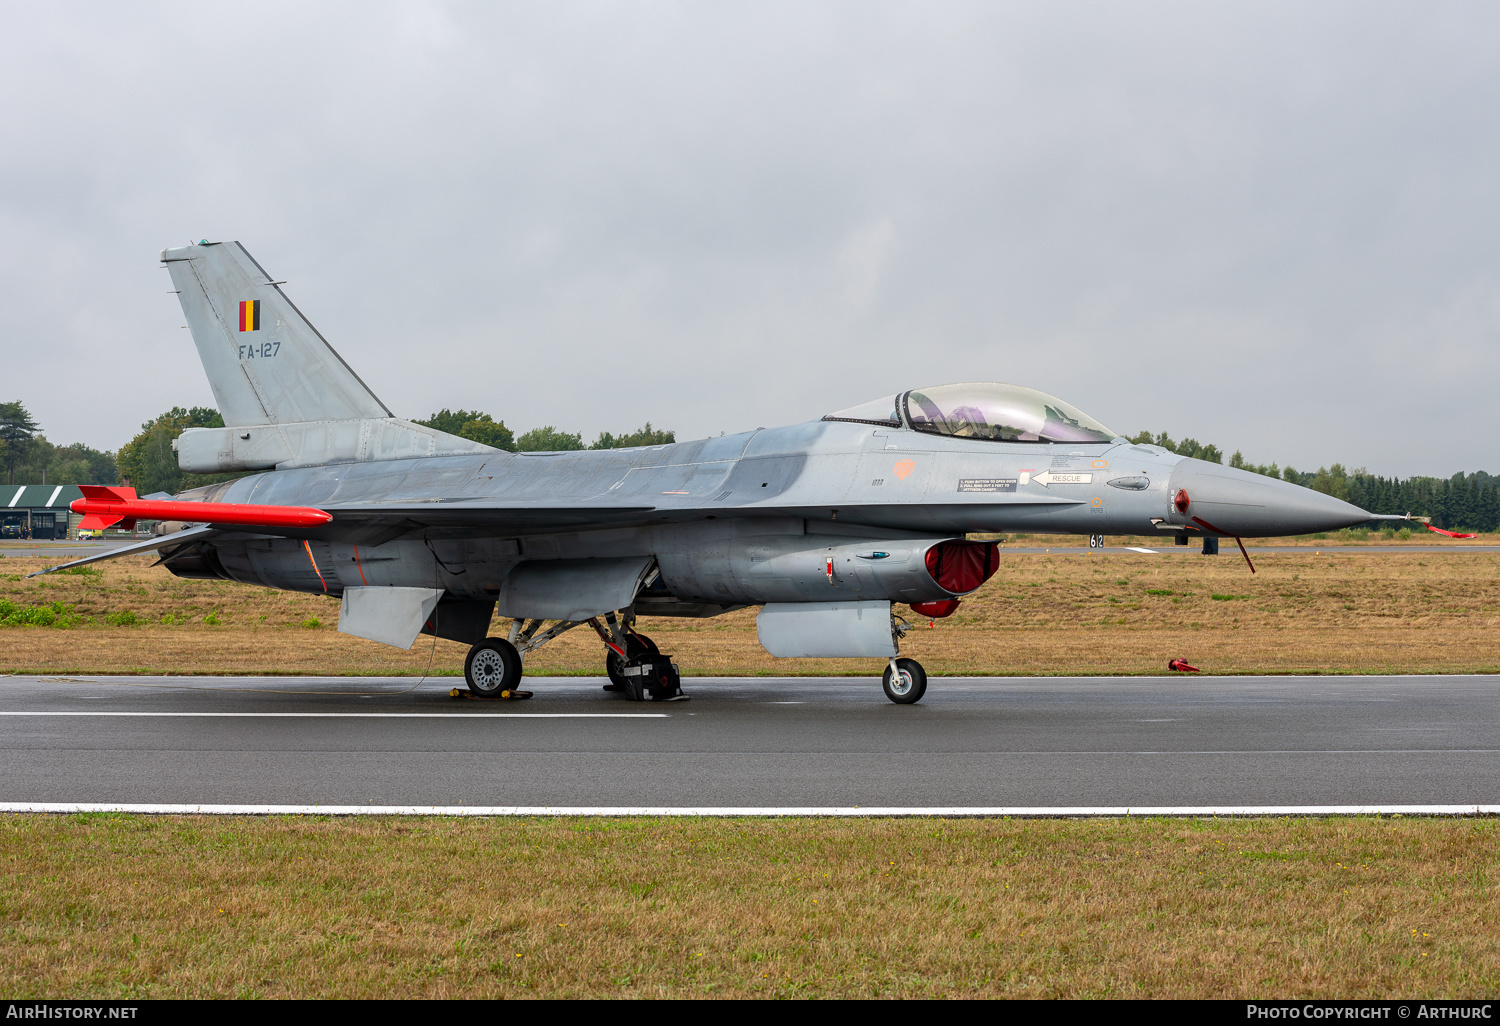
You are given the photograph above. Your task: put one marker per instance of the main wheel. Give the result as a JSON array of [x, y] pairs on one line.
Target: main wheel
[[636, 645], [907, 685], [493, 666]]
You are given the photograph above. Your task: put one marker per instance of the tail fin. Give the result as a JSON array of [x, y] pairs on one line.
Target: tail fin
[[265, 362]]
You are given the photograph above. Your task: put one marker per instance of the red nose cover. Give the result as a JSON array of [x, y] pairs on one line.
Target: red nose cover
[[962, 566]]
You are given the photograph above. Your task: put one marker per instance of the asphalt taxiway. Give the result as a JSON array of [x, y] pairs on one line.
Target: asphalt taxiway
[[1080, 742]]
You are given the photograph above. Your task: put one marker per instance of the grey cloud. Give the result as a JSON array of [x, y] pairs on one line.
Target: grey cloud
[[1268, 227]]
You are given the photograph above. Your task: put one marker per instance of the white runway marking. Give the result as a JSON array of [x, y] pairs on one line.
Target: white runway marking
[[360, 716], [1046, 812], [1149, 552]]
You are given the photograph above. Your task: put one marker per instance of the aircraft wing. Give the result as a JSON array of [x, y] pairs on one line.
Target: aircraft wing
[[373, 523], [376, 523]]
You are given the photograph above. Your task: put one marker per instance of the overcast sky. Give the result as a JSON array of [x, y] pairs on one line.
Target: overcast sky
[[1269, 226]]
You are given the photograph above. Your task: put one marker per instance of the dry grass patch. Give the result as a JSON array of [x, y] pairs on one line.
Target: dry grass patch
[[1307, 611], [135, 907]]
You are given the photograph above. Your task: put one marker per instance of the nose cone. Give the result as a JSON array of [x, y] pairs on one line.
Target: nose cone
[[1238, 502]]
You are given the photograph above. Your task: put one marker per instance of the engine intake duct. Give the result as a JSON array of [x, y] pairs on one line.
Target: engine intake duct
[[960, 566]]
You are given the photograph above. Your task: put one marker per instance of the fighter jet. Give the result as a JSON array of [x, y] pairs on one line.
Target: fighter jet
[[828, 526]]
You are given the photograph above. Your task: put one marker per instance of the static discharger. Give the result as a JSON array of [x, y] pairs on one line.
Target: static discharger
[[105, 507]]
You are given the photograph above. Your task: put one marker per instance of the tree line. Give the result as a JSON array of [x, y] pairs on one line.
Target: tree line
[[149, 462], [481, 427], [1464, 502], [151, 465], [26, 453]]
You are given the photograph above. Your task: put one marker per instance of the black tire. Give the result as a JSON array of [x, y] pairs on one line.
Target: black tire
[[636, 645], [493, 667], [912, 685]]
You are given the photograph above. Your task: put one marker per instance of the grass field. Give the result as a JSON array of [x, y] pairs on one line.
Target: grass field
[[1308, 611], [137, 907], [131, 907]]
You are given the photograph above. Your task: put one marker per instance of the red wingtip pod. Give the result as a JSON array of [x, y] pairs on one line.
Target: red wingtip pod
[[1181, 666], [936, 609], [103, 507]]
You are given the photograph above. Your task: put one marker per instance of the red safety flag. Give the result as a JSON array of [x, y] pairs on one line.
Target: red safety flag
[[1450, 534]]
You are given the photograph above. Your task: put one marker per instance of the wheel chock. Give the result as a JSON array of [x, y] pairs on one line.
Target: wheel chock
[[501, 697]]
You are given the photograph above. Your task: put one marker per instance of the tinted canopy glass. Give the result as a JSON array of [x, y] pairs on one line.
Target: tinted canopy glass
[[999, 413]]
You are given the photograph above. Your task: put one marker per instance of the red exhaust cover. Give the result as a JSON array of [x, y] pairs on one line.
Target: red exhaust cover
[[105, 507], [962, 566], [936, 609]]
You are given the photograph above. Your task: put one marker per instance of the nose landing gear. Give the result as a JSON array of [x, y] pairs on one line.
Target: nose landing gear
[[905, 682]]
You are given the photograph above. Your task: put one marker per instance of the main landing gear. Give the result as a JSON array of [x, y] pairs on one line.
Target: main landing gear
[[493, 669], [636, 667]]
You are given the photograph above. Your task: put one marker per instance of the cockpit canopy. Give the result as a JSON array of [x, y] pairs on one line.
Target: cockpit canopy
[[982, 409]]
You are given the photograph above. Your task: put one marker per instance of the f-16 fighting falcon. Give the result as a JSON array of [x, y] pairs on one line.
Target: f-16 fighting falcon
[[826, 525]]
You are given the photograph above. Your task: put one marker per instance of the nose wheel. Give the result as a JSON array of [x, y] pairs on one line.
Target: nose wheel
[[905, 681]]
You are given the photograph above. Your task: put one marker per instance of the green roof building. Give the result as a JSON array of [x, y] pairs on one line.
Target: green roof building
[[37, 511]]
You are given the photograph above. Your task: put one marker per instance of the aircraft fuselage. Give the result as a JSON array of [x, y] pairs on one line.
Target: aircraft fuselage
[[744, 519]]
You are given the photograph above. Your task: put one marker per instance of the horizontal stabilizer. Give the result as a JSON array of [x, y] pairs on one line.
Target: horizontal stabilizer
[[160, 542]]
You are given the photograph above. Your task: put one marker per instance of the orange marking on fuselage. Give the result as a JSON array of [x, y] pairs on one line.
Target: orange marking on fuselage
[[314, 562]]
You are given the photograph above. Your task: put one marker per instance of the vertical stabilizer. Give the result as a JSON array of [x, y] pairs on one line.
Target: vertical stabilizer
[[265, 362]]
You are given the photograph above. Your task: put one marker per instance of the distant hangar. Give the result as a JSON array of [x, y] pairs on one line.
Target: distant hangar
[[41, 511]]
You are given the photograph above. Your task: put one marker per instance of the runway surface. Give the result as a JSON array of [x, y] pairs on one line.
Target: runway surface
[[810, 743]]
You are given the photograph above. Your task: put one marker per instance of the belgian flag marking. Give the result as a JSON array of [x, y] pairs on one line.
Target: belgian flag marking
[[250, 315]]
